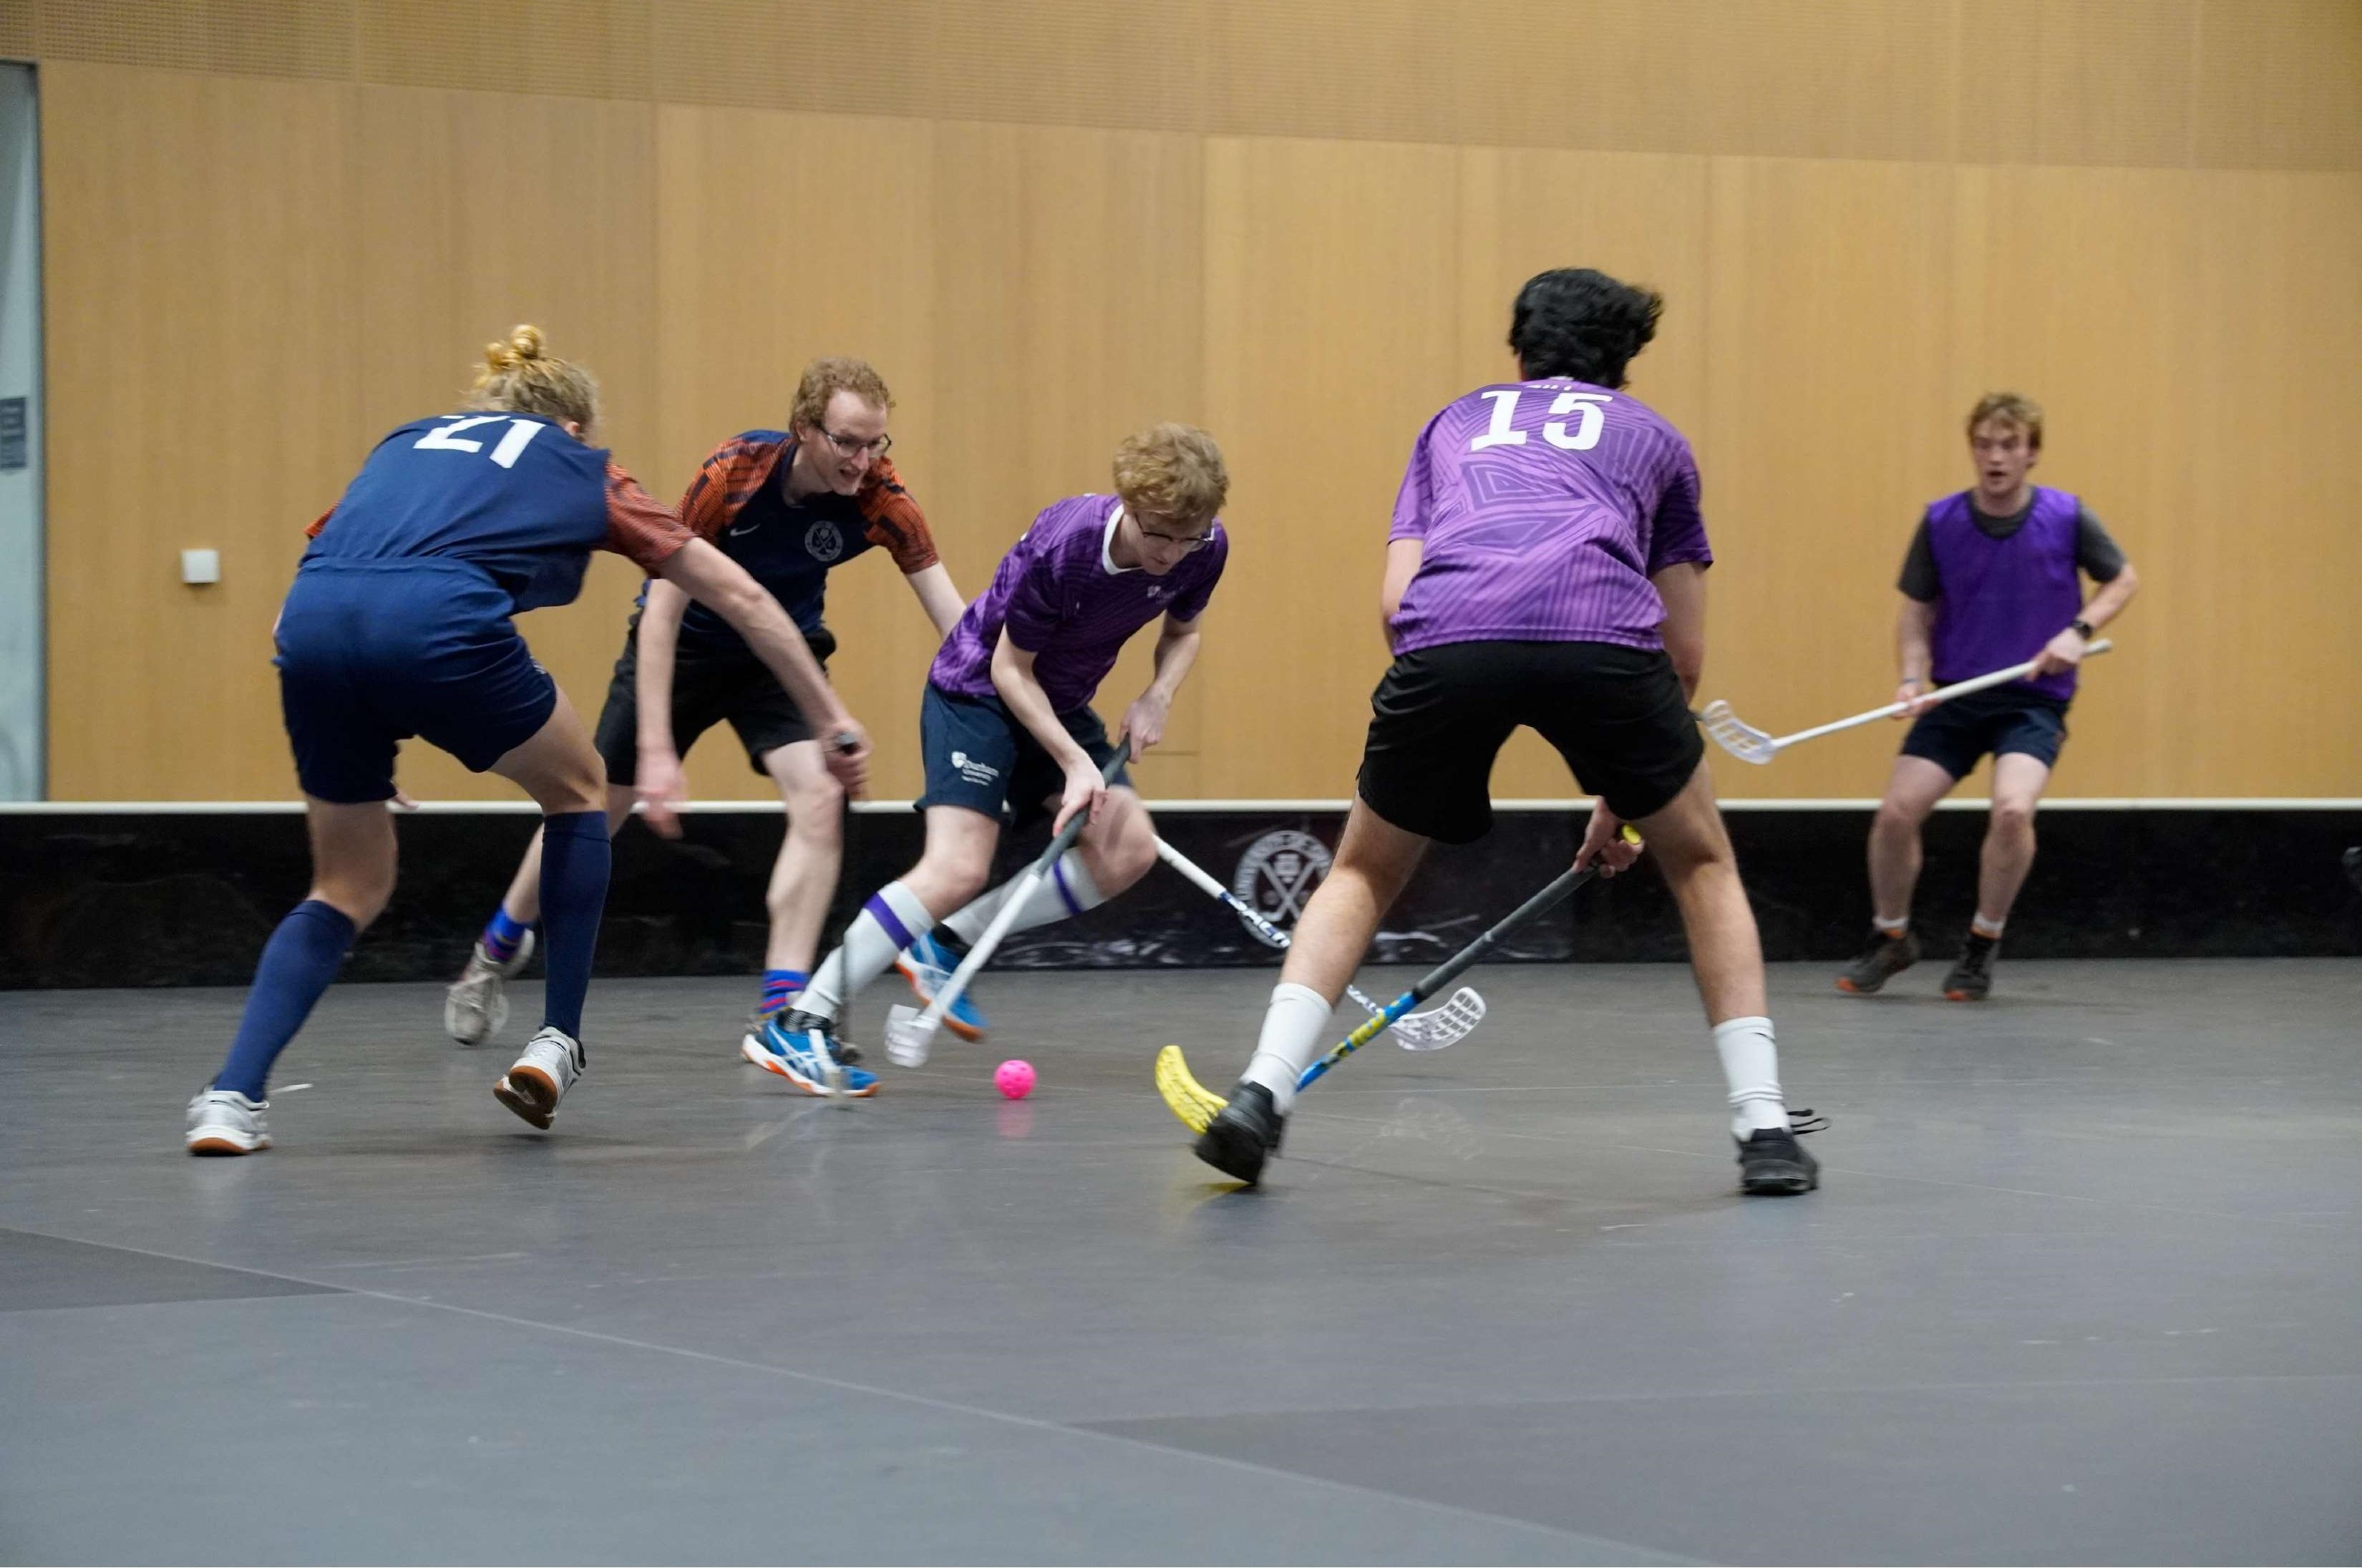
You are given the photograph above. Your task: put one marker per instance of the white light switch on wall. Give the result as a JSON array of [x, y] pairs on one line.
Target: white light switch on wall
[[200, 566]]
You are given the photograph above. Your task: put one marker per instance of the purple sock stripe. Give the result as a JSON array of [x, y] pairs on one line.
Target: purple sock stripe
[[879, 910], [1058, 875]]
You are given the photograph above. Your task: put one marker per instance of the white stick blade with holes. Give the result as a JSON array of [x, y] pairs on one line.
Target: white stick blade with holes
[[1443, 1026], [1744, 742]]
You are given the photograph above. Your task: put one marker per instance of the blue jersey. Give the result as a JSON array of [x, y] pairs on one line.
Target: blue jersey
[[510, 494]]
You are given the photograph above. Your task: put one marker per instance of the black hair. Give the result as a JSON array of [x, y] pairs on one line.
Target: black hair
[[1574, 322]]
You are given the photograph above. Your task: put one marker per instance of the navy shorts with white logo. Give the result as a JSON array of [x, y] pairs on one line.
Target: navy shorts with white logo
[[981, 757]]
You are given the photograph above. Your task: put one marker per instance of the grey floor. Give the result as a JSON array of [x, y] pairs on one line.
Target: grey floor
[[2084, 1285]]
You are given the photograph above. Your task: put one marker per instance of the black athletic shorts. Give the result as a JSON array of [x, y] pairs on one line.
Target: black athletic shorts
[[706, 689], [1954, 735], [978, 755], [1617, 714]]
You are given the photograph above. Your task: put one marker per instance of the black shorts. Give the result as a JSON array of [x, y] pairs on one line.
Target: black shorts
[[1955, 735], [707, 688], [1617, 714], [979, 757]]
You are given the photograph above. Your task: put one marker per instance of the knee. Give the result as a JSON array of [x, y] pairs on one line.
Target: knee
[[1897, 818], [816, 811], [1124, 855], [359, 899], [2015, 818], [950, 881], [582, 791]]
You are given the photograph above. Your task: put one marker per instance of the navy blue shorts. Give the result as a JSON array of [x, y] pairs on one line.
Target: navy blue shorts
[[371, 653], [1954, 735], [979, 757]]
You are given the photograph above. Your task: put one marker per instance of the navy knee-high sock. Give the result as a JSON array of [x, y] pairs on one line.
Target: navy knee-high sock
[[575, 859], [298, 962]]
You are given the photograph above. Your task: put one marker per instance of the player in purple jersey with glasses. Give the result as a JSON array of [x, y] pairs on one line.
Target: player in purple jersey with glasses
[[1007, 722], [1990, 582], [1546, 568]]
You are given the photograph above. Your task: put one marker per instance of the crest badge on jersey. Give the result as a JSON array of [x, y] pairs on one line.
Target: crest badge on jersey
[[1276, 876], [825, 540]]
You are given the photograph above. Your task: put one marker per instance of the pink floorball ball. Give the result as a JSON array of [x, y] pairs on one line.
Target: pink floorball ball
[[1014, 1078]]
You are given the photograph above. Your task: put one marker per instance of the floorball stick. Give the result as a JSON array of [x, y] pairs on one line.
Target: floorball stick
[[1196, 1105], [909, 1034], [1748, 744], [1446, 1025]]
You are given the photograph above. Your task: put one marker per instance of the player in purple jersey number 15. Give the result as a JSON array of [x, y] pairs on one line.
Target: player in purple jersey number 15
[[1546, 568], [1006, 722]]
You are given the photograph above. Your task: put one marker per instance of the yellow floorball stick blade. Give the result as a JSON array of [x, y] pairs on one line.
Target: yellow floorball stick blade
[[1184, 1096]]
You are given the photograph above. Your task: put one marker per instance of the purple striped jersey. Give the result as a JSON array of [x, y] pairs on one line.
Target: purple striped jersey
[[1067, 603], [1542, 508]]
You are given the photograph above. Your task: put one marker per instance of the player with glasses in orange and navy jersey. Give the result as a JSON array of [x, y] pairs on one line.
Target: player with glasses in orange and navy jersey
[[1007, 728], [790, 507]]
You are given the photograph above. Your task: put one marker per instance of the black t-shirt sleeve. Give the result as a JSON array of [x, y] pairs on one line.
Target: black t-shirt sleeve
[[2102, 558], [1918, 580]]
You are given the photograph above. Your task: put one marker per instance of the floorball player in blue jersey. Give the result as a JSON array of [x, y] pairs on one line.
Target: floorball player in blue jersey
[[399, 625]]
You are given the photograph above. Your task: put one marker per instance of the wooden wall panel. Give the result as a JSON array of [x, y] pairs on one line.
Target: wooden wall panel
[[1330, 295], [1830, 425], [781, 238], [2094, 82], [202, 392], [479, 211]]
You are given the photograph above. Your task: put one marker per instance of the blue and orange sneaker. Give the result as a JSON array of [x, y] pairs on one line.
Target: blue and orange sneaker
[[801, 1048], [927, 964]]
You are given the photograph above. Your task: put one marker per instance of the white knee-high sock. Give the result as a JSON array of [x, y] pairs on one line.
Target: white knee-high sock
[[887, 923], [1291, 1033], [1751, 1063], [1066, 891]]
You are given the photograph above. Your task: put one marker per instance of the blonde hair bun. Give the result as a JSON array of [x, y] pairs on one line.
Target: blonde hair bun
[[521, 376], [524, 342]]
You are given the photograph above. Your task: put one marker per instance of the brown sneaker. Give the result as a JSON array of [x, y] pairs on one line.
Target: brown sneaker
[[1885, 957]]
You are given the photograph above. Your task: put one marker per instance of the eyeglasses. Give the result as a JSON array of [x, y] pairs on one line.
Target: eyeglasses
[[846, 447], [1184, 542]]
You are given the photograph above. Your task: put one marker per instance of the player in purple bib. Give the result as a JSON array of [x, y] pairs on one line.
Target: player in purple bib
[[1006, 727], [1990, 582], [1546, 568]]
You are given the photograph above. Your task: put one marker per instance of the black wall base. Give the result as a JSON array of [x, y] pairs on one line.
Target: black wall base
[[189, 898]]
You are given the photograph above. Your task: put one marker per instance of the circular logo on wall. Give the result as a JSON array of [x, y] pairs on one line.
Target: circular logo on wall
[[823, 541], [1276, 876]]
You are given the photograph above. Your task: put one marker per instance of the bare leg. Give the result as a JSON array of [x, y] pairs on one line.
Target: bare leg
[[2008, 856], [1692, 850], [1374, 863], [352, 858], [812, 855], [1912, 791]]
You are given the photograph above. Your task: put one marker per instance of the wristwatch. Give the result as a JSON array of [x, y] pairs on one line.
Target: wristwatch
[[2081, 628]]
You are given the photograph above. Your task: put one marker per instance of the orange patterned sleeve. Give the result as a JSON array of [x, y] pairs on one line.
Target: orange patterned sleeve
[[639, 526], [895, 521], [312, 529]]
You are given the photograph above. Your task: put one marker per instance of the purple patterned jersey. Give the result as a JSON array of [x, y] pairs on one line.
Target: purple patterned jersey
[[1542, 509], [1064, 600]]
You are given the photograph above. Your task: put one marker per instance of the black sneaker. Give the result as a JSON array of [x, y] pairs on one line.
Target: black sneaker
[[1885, 957], [1971, 977], [1772, 1163], [1246, 1134]]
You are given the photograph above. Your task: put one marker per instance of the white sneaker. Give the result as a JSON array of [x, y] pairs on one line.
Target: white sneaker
[[475, 1007], [224, 1122], [551, 1063]]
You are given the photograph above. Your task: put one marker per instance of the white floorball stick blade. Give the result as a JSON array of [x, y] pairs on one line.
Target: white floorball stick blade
[[907, 1043], [1443, 1026], [1743, 741]]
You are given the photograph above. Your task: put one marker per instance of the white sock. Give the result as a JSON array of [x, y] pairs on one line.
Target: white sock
[[1751, 1063], [1892, 927], [1987, 928], [887, 923], [1066, 891], [1291, 1033]]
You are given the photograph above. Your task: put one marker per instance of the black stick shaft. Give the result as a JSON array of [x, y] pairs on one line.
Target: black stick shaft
[[1542, 903]]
